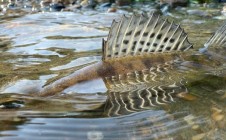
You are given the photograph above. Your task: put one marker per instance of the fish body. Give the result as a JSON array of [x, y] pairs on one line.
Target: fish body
[[145, 62], [108, 68]]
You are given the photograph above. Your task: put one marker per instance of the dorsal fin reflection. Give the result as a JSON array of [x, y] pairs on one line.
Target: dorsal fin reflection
[[142, 90]]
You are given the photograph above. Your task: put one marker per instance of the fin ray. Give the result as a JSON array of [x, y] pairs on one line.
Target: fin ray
[[218, 39], [139, 34]]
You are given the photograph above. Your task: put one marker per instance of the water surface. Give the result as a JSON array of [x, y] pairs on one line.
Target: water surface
[[37, 49]]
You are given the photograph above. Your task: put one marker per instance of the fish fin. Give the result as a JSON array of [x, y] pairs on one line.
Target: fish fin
[[139, 34], [218, 39]]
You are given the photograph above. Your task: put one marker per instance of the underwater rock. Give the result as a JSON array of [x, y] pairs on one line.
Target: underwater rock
[[212, 5], [105, 5], [123, 2], [223, 12], [73, 8], [68, 2], [186, 96], [199, 136], [165, 8], [195, 127], [190, 120], [221, 1], [175, 3], [218, 117], [88, 4], [197, 12], [113, 8], [193, 21], [167, 5], [217, 114], [84, 3], [102, 1], [45, 5], [11, 5], [56, 5], [224, 96]]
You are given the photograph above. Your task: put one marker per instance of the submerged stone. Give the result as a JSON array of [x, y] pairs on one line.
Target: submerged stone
[[186, 96], [56, 7], [217, 114], [123, 2], [221, 1], [175, 3], [199, 136], [198, 12]]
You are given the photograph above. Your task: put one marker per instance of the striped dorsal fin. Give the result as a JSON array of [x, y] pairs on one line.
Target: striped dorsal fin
[[139, 34], [218, 39]]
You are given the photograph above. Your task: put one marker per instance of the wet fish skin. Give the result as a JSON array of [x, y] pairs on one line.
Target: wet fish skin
[[128, 47], [146, 63], [108, 68]]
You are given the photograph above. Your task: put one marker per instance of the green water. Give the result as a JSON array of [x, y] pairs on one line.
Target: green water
[[37, 49]]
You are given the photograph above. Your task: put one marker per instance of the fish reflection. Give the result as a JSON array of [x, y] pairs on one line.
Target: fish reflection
[[142, 90]]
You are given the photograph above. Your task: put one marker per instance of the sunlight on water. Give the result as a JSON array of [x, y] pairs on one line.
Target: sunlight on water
[[77, 62], [93, 88], [143, 125]]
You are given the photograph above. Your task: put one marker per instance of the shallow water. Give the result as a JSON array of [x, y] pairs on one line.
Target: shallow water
[[36, 49]]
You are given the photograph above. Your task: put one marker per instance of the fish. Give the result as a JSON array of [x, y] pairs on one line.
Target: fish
[[145, 63]]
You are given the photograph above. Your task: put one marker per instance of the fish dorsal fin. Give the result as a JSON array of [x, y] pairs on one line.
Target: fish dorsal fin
[[218, 39], [139, 34]]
